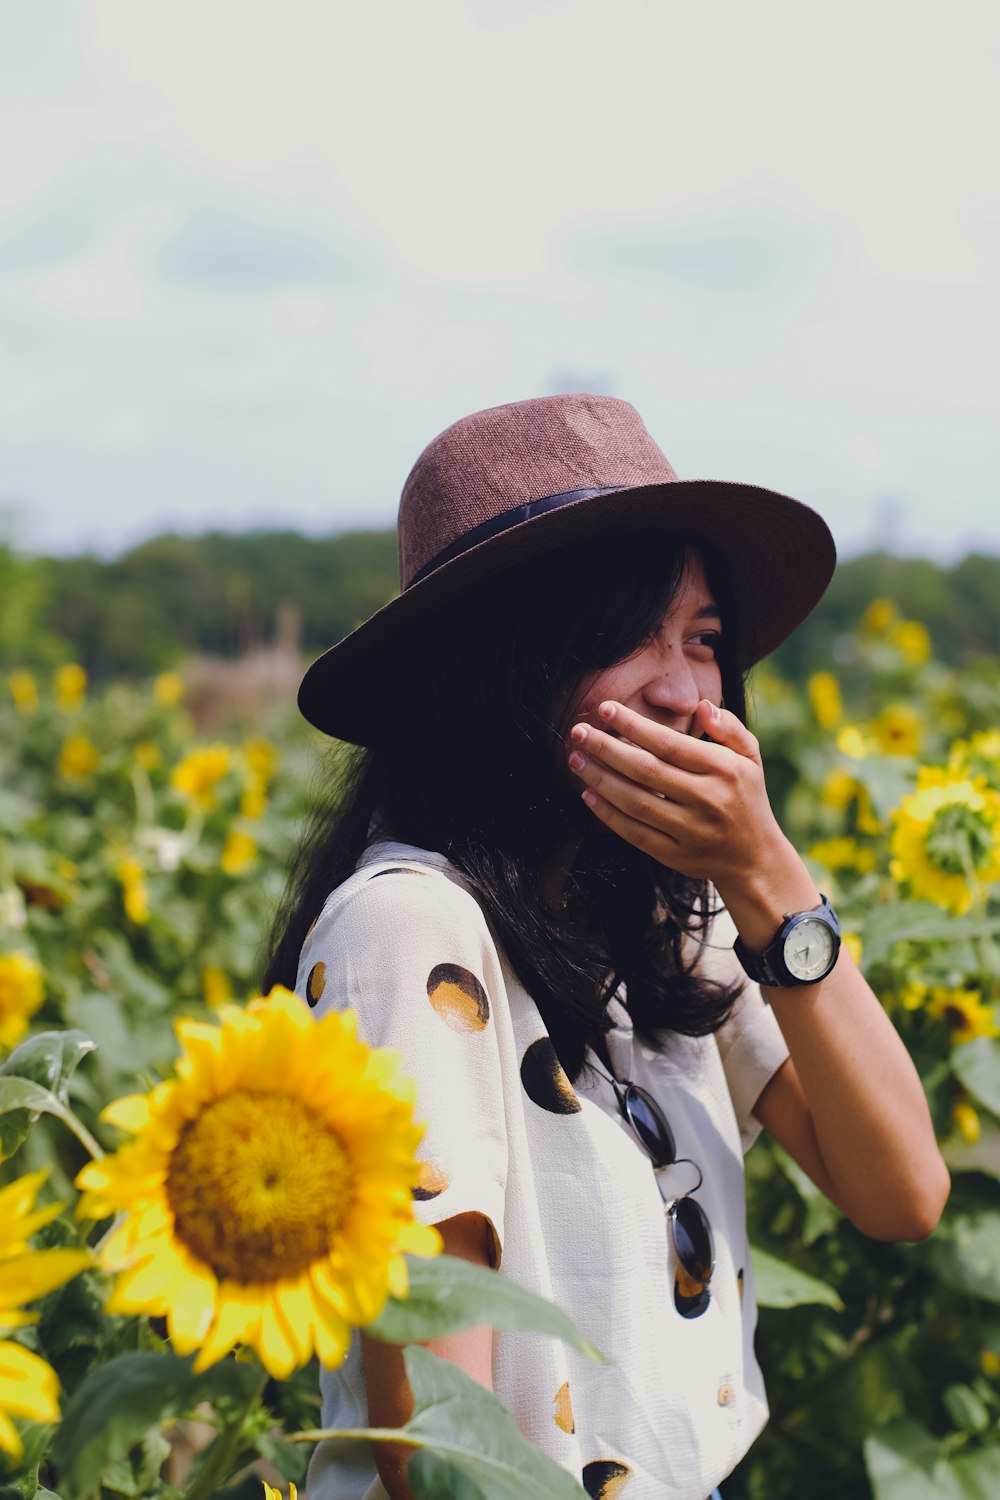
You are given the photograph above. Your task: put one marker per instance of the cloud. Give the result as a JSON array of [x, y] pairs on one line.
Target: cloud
[[230, 247], [470, 147]]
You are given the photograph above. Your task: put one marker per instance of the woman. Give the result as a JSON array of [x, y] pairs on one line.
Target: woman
[[557, 793]]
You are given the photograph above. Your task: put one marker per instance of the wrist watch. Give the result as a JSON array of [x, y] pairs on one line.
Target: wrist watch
[[803, 950]]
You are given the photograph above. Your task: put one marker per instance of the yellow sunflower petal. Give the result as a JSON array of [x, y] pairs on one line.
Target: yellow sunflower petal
[[419, 1239], [18, 1235], [28, 1386], [236, 1322], [10, 1441], [130, 1113], [399, 1277], [17, 1199], [274, 1341], [37, 1272], [295, 1304], [193, 1307], [331, 1335]]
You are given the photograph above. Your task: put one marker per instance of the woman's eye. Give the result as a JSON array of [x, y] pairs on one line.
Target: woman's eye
[[712, 639]]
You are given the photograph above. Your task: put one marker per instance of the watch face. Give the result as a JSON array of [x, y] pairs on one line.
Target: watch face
[[809, 948]]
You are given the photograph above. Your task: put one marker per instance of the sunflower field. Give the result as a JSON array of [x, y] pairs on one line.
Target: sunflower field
[[172, 1270]]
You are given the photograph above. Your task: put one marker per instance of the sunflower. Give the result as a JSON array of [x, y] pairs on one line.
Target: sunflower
[[71, 685], [28, 1386], [267, 1188], [946, 839], [824, 696], [198, 774], [239, 851], [21, 992], [965, 1012], [79, 758], [135, 895], [899, 729], [168, 689], [23, 690]]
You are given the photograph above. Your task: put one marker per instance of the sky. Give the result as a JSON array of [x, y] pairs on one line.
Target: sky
[[255, 255]]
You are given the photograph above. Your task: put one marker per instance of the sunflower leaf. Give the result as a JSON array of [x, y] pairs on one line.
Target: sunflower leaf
[[447, 1294], [963, 1252], [919, 922], [471, 1446], [50, 1058], [23, 1096], [120, 1402], [778, 1284], [977, 1064]]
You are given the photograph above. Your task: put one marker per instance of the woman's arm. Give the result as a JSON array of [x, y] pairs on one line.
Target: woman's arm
[[848, 1105], [390, 1403]]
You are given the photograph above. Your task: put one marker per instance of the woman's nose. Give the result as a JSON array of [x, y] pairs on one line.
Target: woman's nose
[[672, 688]]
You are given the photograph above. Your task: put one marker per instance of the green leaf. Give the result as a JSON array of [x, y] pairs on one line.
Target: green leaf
[[905, 1462], [24, 1094], [978, 1472], [917, 921], [777, 1284], [963, 1252], [472, 1439], [468, 1444], [447, 1294], [820, 1214], [977, 1064], [966, 1408], [49, 1058], [121, 1401]]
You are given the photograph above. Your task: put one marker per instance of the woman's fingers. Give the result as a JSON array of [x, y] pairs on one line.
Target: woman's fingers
[[653, 841], [604, 751], [622, 793]]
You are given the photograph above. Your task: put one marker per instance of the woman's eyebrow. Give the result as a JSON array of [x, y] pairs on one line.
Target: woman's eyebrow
[[706, 611]]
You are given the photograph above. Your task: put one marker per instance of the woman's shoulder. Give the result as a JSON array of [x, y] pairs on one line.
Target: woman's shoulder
[[401, 891]]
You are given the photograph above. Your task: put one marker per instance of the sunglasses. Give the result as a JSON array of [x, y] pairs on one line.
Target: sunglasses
[[690, 1230]]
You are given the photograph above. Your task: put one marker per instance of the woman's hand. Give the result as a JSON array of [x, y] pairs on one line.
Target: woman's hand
[[699, 806], [848, 1104]]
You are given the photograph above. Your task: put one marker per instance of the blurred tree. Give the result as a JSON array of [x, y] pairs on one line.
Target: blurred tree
[[223, 592], [25, 638]]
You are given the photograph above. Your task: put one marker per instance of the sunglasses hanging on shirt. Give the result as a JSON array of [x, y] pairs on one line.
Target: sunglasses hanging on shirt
[[690, 1230]]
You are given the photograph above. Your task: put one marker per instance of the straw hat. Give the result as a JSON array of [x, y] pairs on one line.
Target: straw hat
[[505, 485]]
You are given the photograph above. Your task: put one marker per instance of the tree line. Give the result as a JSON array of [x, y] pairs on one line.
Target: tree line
[[223, 593]]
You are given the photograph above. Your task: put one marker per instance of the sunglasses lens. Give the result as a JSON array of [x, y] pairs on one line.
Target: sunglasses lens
[[650, 1125], [693, 1306], [695, 1258], [693, 1241]]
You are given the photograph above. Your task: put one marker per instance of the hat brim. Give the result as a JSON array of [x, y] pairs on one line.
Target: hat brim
[[781, 557]]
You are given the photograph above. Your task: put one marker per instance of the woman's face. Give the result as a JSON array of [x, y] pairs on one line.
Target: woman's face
[[668, 676]]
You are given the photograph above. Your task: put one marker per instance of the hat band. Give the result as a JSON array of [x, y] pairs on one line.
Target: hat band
[[503, 522]]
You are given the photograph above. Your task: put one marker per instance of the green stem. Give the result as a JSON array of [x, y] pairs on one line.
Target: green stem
[[357, 1434], [218, 1465], [982, 943], [84, 1136], [144, 808]]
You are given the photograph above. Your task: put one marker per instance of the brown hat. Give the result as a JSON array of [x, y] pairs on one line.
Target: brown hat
[[508, 484]]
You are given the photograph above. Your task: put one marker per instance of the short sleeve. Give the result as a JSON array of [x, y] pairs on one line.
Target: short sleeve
[[750, 1044], [410, 952]]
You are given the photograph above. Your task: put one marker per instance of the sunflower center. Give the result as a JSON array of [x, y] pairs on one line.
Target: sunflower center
[[958, 839], [259, 1185]]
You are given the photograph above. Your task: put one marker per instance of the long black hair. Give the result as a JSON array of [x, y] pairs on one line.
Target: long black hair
[[465, 760]]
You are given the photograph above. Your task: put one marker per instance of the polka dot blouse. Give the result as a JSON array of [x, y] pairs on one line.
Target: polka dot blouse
[[574, 1208]]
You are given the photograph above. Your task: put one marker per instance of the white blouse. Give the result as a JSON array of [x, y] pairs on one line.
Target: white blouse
[[574, 1206]]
